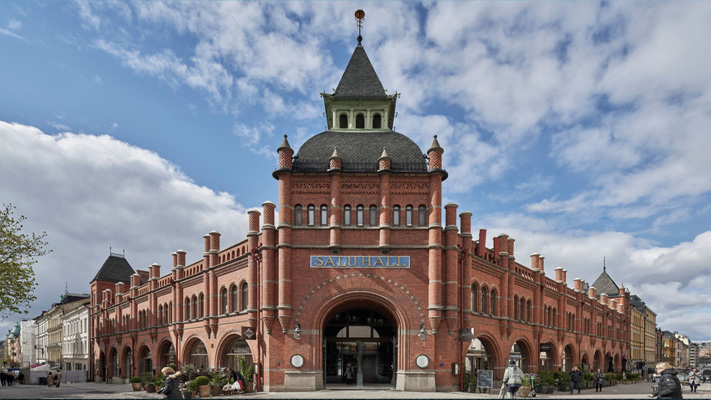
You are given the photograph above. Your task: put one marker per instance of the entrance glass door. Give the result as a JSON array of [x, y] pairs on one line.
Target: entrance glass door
[[359, 336]]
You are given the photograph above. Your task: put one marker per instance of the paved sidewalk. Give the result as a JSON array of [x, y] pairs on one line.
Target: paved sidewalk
[[107, 391]]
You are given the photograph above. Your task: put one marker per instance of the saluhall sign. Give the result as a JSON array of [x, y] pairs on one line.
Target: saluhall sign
[[360, 261]]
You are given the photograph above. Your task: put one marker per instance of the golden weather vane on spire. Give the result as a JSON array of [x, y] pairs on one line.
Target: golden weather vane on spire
[[359, 16]]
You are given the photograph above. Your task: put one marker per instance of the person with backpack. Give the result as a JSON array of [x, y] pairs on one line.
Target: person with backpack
[[513, 378]]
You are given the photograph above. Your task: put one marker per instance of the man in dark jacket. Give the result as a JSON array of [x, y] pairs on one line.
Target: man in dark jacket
[[575, 377], [669, 385]]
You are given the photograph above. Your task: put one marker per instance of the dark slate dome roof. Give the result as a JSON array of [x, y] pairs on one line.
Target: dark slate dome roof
[[360, 151]]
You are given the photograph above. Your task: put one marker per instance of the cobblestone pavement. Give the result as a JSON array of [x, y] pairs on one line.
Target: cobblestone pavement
[[105, 391]]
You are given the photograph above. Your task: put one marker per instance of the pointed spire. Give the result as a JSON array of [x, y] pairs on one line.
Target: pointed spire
[[335, 153], [284, 145], [359, 80], [435, 145], [385, 154]]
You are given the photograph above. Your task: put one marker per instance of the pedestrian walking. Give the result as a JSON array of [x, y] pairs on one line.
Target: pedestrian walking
[[598, 380], [669, 385], [694, 379], [50, 379], [58, 378], [172, 380], [575, 377], [513, 378]]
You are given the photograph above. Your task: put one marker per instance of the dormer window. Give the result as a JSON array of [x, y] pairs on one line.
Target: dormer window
[[377, 121], [343, 121], [360, 121]]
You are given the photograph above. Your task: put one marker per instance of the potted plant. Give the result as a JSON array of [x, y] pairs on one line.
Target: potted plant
[[191, 389], [247, 370], [159, 381], [136, 383], [525, 389], [203, 383], [147, 380], [216, 384], [188, 371]]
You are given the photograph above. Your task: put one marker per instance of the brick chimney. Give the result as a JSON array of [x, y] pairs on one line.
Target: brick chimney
[[384, 161], [534, 261], [435, 155], [578, 285], [559, 274], [482, 243], [335, 162], [603, 298], [592, 292]]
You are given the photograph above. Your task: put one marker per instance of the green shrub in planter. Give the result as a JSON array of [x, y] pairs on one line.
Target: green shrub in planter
[[192, 386], [136, 379], [202, 380]]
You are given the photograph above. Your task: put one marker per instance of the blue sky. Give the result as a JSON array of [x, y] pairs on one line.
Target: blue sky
[[578, 128]]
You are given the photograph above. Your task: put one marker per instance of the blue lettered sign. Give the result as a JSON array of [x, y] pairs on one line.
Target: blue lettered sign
[[360, 261]]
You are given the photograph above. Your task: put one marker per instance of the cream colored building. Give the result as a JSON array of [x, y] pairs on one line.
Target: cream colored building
[[643, 336], [55, 326]]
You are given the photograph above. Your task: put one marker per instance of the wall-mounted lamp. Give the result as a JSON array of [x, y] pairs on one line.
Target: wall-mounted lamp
[[423, 334], [297, 332]]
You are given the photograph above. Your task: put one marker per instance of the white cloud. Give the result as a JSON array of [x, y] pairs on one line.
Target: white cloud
[[11, 34], [14, 24], [91, 192], [59, 126]]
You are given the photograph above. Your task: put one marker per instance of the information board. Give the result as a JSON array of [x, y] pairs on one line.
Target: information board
[[485, 379]]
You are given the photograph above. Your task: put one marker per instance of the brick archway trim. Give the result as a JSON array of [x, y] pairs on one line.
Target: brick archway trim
[[324, 297], [227, 337]]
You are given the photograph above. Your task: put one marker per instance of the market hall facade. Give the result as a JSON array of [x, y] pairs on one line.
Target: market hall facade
[[365, 269]]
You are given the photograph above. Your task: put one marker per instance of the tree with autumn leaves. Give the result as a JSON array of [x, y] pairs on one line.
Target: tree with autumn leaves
[[17, 256]]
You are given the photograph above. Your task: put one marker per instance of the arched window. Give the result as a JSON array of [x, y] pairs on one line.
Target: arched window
[[233, 297], [396, 215], [408, 215], [377, 121], [160, 314], [311, 215], [360, 217], [494, 300], [187, 308], [515, 308], [421, 215], [343, 121], [528, 310], [373, 217], [475, 297], [347, 215], [201, 306], [223, 299], [298, 215], [522, 313], [198, 355], [554, 314], [245, 296], [324, 215], [484, 300], [194, 311], [360, 121]]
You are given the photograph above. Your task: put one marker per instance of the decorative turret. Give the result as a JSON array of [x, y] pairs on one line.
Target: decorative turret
[[286, 154], [384, 161], [335, 161], [435, 155]]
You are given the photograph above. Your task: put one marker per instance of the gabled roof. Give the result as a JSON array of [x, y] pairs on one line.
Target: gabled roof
[[115, 269], [636, 302], [605, 284], [359, 80]]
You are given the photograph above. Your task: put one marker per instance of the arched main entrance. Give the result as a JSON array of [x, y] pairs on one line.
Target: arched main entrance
[[363, 338], [235, 349], [598, 362], [521, 354], [145, 360], [547, 356], [128, 363]]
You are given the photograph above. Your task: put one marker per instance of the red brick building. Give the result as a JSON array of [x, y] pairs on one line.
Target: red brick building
[[364, 268]]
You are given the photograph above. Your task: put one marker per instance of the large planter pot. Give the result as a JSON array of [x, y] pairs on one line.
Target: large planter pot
[[151, 388], [204, 390], [136, 386], [215, 390], [525, 391], [188, 394], [249, 387]]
